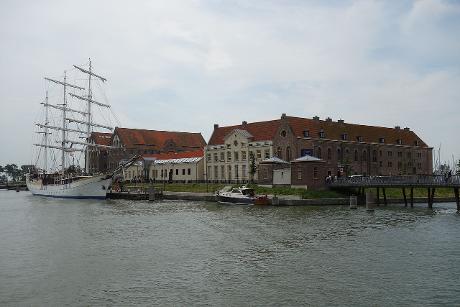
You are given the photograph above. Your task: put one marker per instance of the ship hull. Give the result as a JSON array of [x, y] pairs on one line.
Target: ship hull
[[94, 187]]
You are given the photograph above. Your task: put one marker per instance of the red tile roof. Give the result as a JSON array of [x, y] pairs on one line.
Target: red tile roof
[[154, 139], [101, 138], [261, 131], [176, 155], [264, 131]]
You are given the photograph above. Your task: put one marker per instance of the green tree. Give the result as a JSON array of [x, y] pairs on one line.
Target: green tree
[[12, 171], [252, 166]]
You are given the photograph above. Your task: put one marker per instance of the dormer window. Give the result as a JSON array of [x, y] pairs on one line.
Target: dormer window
[[344, 136], [399, 141], [416, 143], [306, 133], [381, 140], [322, 134], [359, 138]]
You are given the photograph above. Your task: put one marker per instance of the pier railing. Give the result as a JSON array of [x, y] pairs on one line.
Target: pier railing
[[397, 181]]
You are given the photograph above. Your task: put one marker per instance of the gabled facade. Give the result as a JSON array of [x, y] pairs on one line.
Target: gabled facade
[[346, 149], [128, 142]]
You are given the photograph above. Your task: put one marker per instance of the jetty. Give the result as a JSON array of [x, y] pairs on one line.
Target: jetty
[[405, 183]]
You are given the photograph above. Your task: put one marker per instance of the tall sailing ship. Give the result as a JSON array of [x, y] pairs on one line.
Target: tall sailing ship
[[66, 136]]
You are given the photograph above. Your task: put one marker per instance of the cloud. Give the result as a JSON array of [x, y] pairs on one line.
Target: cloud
[[184, 65]]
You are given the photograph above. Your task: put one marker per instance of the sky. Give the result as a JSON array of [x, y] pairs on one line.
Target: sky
[[185, 65]]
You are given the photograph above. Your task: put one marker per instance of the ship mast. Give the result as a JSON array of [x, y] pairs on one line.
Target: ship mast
[[45, 164], [90, 101], [64, 126]]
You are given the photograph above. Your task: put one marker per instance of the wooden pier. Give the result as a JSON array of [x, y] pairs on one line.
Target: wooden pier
[[406, 183]]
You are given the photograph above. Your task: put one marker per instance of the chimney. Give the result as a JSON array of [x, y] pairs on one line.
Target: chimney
[[406, 129], [316, 117], [216, 126], [397, 127], [283, 116], [340, 121], [244, 123], [328, 119]]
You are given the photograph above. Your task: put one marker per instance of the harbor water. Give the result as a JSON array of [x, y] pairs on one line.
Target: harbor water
[[182, 253]]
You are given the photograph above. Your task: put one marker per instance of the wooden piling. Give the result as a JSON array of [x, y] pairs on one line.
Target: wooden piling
[[404, 195], [378, 196], [412, 197], [384, 196]]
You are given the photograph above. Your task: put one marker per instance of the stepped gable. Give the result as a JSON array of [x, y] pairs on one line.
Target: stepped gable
[[101, 138], [154, 139], [369, 134], [260, 131], [176, 155]]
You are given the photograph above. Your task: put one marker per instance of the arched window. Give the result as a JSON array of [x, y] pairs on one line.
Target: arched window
[[279, 153], [288, 153], [339, 152], [329, 154], [356, 155], [364, 155], [318, 152], [374, 156]]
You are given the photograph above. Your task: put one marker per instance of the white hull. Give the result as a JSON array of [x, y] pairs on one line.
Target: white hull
[[85, 187]]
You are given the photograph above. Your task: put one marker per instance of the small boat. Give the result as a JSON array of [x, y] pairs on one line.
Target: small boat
[[240, 196]]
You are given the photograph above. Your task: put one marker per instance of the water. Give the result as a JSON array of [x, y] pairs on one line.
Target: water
[[55, 252]]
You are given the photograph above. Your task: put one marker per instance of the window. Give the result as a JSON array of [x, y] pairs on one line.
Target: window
[[236, 155], [288, 153], [222, 172], [243, 170], [382, 140], [399, 141], [356, 155], [259, 154], [390, 154], [267, 153], [380, 163], [322, 135], [229, 156], [399, 154], [229, 172], [299, 174], [243, 156], [216, 158], [315, 173], [189, 171], [344, 136], [409, 155], [208, 157], [306, 133], [279, 153], [374, 156], [283, 133], [399, 164], [339, 152], [222, 157], [183, 172], [390, 164], [216, 172], [359, 138], [318, 152], [364, 155], [416, 143], [329, 154], [380, 153], [177, 171]]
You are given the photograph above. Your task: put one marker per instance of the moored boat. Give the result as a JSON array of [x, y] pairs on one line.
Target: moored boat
[[240, 196]]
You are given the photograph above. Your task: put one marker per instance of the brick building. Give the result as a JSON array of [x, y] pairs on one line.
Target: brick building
[[345, 148]]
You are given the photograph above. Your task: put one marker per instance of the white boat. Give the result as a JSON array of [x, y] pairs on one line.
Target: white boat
[[74, 126], [240, 196]]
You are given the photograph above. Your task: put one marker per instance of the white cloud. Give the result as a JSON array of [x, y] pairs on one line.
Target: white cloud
[[184, 65]]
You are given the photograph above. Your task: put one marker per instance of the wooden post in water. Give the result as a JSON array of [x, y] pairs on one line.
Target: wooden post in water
[[412, 197], [457, 199], [378, 196], [384, 197], [404, 195]]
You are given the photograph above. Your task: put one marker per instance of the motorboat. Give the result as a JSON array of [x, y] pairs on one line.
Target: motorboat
[[240, 196]]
